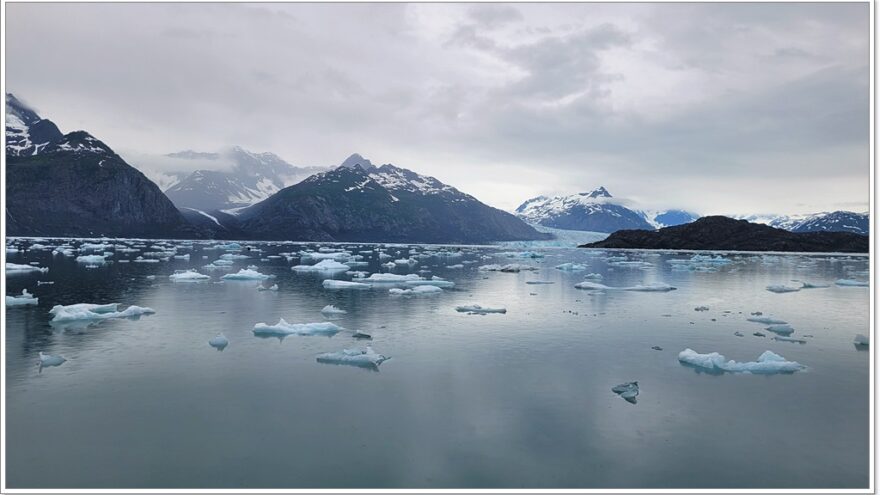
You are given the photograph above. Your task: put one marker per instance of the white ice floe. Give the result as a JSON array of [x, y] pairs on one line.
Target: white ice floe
[[47, 360], [783, 338], [365, 358], [781, 289], [386, 278], [445, 284], [344, 284], [767, 363], [274, 287], [594, 276], [419, 290], [16, 268], [246, 274], [85, 311], [844, 282], [784, 329], [327, 265], [861, 340], [656, 287], [478, 309], [282, 328], [509, 268], [219, 342], [570, 267], [25, 299], [188, 276], [91, 259], [233, 256], [766, 320], [332, 310]]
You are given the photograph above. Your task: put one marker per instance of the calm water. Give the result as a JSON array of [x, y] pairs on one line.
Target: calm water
[[521, 399]]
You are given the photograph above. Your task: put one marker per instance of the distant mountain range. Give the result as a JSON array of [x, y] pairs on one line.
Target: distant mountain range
[[360, 201], [75, 185], [835, 221], [596, 211], [728, 234]]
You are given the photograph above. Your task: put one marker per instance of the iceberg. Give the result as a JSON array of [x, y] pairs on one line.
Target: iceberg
[[92, 259], [246, 274], [85, 311], [418, 290], [16, 268], [627, 391], [392, 278], [332, 310], [479, 310], [570, 267], [810, 285], [843, 282], [861, 340], [767, 363], [781, 289], [274, 287], [365, 358], [509, 268], [783, 338], [342, 284], [327, 265], [47, 360], [780, 329], [766, 320], [656, 287], [282, 329], [188, 276], [25, 299], [233, 256], [219, 342], [445, 284], [594, 276]]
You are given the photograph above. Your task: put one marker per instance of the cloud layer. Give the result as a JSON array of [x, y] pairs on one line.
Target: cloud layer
[[719, 108]]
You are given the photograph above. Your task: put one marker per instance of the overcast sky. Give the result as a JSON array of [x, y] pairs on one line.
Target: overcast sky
[[718, 108]]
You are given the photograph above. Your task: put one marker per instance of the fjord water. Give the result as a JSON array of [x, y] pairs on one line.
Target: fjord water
[[521, 399]]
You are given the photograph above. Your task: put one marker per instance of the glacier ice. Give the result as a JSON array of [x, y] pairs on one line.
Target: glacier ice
[[479, 309], [783, 329], [219, 341], [25, 299], [365, 358], [92, 259], [392, 278], [627, 391], [343, 284], [767, 363], [569, 267], [781, 289], [246, 274], [188, 276], [85, 311], [47, 360], [16, 268], [326, 265], [419, 290], [332, 310], [282, 328]]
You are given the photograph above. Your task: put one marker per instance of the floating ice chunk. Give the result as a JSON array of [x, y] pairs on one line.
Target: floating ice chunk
[[25, 299], [586, 285], [861, 340], [767, 363], [453, 267], [85, 311], [627, 391], [233, 256], [47, 360], [16, 268], [188, 276], [656, 287], [445, 284], [538, 282], [327, 265], [766, 320], [87, 246], [92, 259], [219, 342], [780, 329], [274, 287], [383, 278], [783, 338], [594, 276], [282, 328], [365, 358], [332, 310], [223, 262], [810, 285], [843, 282], [419, 290], [570, 267], [781, 289], [478, 309], [247, 274], [343, 284], [361, 335]]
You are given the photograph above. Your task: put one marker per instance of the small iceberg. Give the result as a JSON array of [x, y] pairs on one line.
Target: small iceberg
[[361, 335], [436, 282], [766, 320], [274, 287], [767, 363], [419, 290], [188, 276], [47, 360], [332, 310], [810, 285], [861, 340], [627, 391], [476, 309], [282, 329], [782, 289], [91, 259], [342, 284], [25, 299], [383, 278], [16, 268], [656, 287], [85, 311], [219, 342], [246, 274], [327, 265], [780, 329], [364, 358], [783, 338], [843, 282], [571, 267]]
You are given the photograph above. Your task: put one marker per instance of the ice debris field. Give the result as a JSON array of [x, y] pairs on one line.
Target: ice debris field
[[410, 273]]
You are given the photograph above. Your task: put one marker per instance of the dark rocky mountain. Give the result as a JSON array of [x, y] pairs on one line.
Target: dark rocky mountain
[[358, 201], [75, 185], [595, 211], [239, 179], [728, 234]]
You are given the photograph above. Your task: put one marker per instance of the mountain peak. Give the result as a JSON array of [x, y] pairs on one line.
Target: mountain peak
[[599, 192], [357, 160]]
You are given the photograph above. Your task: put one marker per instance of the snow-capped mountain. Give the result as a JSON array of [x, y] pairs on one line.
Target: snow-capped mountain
[[835, 221], [669, 218], [241, 178], [75, 185], [359, 201], [595, 211], [26, 132]]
